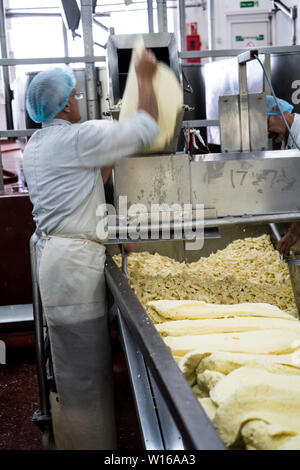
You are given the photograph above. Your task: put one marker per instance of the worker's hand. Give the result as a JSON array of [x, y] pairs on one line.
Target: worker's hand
[[276, 127], [286, 243], [128, 247], [146, 65], [289, 239]]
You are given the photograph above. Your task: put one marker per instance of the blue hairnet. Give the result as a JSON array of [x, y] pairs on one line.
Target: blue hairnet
[[272, 108], [49, 92]]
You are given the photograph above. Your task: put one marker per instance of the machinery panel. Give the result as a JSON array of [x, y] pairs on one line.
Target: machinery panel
[[119, 49], [285, 84], [230, 123], [258, 123], [157, 180], [247, 183]]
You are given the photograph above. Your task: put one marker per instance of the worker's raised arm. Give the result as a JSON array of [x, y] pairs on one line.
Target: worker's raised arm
[[145, 68], [101, 143]]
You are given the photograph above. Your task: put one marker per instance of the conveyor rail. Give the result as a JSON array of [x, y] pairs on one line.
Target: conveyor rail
[[158, 429]]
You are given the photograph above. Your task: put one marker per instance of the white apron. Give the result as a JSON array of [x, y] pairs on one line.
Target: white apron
[[73, 292]]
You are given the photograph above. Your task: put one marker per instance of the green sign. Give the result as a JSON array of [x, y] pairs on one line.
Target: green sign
[[261, 37], [249, 4]]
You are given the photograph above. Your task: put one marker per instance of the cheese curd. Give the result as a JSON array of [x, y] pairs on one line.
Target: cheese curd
[[231, 324], [248, 270]]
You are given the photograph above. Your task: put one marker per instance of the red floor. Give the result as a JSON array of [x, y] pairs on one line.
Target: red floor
[[19, 399]]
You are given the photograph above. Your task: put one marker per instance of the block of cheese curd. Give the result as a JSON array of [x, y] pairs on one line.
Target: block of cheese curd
[[187, 309], [224, 325], [259, 435], [196, 362], [261, 342], [209, 407], [207, 380], [169, 96], [253, 394]]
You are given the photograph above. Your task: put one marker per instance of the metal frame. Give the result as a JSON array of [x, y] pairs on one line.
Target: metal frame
[[236, 52], [226, 53], [1, 174], [211, 226], [42, 417], [211, 25], [292, 13], [22, 133], [7, 89], [126, 41], [53, 60], [93, 111], [157, 426], [150, 16], [182, 26], [244, 107], [244, 103], [162, 17]]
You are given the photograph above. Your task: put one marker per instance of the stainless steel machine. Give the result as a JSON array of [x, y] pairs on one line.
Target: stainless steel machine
[[247, 180], [245, 188]]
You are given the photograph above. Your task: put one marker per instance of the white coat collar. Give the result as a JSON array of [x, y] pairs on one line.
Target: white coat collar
[[56, 122]]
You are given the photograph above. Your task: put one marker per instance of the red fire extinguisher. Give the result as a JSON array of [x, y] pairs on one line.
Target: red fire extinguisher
[[193, 42]]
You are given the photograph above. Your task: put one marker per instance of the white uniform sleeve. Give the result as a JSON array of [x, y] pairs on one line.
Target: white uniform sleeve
[[101, 142], [295, 130]]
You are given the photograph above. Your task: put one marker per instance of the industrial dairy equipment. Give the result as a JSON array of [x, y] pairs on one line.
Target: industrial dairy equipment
[[246, 185], [247, 180]]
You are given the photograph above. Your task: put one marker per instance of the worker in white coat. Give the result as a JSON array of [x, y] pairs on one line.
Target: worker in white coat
[[279, 132], [62, 167], [276, 126]]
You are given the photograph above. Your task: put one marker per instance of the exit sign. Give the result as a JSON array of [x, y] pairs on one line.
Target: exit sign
[[249, 4], [260, 37]]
